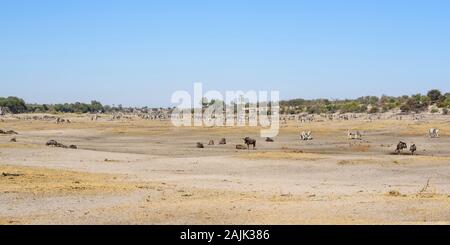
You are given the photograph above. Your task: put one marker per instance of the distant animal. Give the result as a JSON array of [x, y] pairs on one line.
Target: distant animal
[[13, 140], [306, 135], [412, 149], [249, 141], [200, 145], [354, 135], [400, 146], [433, 133], [211, 142], [241, 147], [54, 143], [8, 132], [268, 139], [223, 141], [73, 147], [51, 143]]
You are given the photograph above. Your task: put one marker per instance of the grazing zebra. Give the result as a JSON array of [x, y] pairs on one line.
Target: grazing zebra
[[306, 135], [354, 135], [400, 146], [433, 133], [249, 141]]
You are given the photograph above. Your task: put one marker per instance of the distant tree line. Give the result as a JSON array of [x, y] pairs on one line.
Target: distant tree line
[[17, 105], [370, 104]]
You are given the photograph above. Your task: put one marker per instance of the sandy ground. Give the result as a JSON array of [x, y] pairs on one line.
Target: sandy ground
[[149, 172]]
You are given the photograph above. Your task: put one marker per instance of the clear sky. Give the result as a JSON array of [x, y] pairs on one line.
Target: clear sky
[[139, 52]]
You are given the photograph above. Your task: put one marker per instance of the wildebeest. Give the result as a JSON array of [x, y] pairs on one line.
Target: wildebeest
[[433, 133], [200, 145], [51, 143], [240, 147], [249, 141], [55, 143], [412, 149], [13, 140], [8, 132], [400, 146], [223, 141], [306, 135], [354, 135], [268, 139], [211, 142]]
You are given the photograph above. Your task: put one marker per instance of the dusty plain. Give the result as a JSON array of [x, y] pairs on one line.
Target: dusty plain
[[149, 172]]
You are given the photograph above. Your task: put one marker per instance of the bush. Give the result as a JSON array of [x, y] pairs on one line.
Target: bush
[[434, 95], [14, 104], [374, 109], [413, 104]]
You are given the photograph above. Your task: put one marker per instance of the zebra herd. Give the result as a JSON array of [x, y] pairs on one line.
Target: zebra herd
[[307, 135]]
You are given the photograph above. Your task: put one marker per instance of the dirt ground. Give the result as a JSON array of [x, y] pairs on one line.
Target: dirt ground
[[149, 172]]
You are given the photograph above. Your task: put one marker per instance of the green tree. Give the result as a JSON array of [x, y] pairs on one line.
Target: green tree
[[14, 104], [434, 95]]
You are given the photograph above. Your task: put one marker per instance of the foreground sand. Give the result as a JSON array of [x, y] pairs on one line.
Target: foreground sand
[[148, 172]]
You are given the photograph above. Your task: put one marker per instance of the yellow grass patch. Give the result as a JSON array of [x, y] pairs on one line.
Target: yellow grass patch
[[356, 161], [282, 155], [14, 179]]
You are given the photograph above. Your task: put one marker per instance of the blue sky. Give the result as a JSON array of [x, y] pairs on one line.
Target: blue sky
[[139, 52]]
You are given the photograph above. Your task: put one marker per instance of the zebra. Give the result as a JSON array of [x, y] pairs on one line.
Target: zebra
[[354, 135], [433, 133], [306, 135]]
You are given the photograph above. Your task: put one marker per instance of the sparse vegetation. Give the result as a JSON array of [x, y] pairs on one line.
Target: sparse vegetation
[[370, 104]]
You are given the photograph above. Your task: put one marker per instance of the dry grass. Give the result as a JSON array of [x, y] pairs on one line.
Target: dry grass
[[44, 181], [282, 155], [357, 161]]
